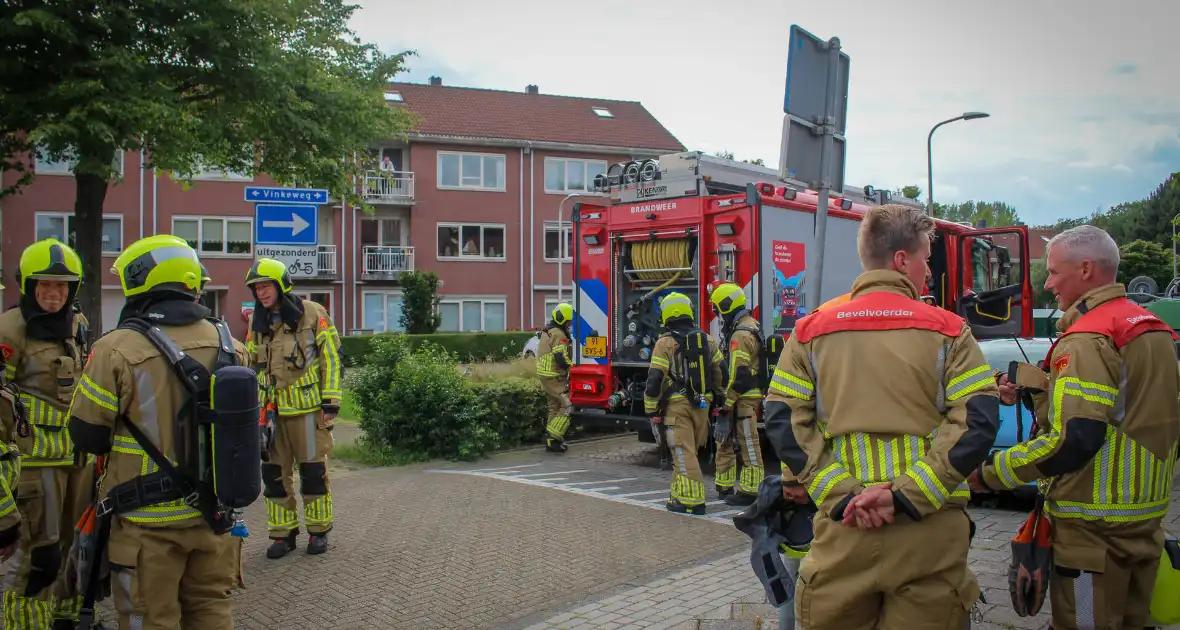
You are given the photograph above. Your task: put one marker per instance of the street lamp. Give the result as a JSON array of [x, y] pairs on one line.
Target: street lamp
[[930, 159]]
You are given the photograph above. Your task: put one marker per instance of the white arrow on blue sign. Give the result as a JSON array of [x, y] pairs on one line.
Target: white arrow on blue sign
[[272, 194], [285, 224]]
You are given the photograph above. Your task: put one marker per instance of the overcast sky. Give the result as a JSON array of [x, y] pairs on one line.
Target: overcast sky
[[1084, 103]]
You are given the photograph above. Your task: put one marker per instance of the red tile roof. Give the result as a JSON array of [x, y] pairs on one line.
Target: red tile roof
[[480, 113]]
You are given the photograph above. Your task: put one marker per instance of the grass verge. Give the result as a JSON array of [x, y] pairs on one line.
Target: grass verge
[[366, 454]]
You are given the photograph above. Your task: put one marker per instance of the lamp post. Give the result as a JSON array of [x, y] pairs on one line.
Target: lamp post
[[930, 159]]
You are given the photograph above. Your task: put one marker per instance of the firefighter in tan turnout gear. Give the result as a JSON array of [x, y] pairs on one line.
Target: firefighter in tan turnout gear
[[155, 393], [1109, 449], [296, 351], [882, 406], [553, 367], [684, 378], [737, 418], [43, 342]]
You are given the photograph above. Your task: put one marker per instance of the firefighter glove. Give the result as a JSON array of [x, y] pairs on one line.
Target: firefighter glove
[[724, 425]]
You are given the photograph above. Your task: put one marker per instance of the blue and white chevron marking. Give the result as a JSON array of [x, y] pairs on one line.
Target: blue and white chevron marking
[[592, 308]]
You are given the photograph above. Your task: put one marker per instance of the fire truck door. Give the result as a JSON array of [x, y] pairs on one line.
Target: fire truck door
[[995, 294]]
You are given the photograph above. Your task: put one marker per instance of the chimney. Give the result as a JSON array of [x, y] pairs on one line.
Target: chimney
[[531, 89], [436, 80]]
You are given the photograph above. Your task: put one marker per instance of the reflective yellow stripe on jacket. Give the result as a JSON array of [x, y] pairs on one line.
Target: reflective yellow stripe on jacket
[[303, 396], [169, 511], [51, 441], [10, 466], [751, 394], [326, 336]]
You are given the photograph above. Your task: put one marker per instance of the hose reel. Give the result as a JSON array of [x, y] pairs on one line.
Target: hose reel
[[668, 260]]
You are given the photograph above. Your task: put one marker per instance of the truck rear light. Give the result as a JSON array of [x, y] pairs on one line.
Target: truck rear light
[[766, 189], [728, 226], [846, 204], [786, 193], [593, 237]]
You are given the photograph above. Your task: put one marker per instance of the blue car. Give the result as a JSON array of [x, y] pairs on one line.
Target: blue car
[[999, 353]]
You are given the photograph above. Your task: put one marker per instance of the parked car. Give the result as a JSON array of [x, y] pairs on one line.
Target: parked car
[[530, 348], [999, 353]]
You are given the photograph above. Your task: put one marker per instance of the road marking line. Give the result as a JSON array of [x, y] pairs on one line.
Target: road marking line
[[544, 474], [586, 483], [599, 490], [727, 513], [504, 469], [638, 494], [551, 479]]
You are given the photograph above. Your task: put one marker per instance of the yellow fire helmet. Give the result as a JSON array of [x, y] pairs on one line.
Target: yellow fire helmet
[[158, 263], [49, 259], [728, 298], [563, 314], [675, 305], [265, 269]]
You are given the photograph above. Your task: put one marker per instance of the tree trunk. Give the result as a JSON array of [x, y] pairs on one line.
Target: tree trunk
[[92, 192]]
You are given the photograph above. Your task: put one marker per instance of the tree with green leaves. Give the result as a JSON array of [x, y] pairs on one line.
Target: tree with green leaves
[[725, 153], [992, 213], [253, 86], [420, 314], [1145, 258], [1148, 219], [911, 192]]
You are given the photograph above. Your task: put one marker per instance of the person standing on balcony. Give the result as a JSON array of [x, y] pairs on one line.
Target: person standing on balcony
[[294, 347], [44, 345]]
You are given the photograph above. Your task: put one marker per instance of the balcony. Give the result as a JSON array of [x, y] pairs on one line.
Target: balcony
[[327, 260], [393, 187], [383, 262]]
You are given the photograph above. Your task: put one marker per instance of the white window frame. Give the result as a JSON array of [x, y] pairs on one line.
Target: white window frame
[[602, 112], [201, 218], [221, 175], [305, 294], [562, 228], [460, 155], [216, 296], [458, 300], [393, 96], [65, 238], [384, 307], [565, 176], [480, 257], [66, 167]]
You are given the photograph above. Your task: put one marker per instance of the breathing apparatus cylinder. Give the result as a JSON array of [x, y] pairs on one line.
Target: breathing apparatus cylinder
[[237, 455]]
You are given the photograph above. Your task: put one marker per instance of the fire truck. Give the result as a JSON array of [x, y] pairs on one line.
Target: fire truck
[[687, 221]]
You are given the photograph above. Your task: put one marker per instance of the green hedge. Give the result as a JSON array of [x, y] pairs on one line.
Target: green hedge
[[412, 399], [468, 347]]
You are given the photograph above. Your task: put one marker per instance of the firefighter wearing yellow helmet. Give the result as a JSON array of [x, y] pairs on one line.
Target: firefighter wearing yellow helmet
[[737, 418], [168, 490], [295, 349], [683, 379], [43, 341], [553, 367]]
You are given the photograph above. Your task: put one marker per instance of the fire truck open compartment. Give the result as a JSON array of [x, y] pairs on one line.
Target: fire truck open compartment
[[648, 269]]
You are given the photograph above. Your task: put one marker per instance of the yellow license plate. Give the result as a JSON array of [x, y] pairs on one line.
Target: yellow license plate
[[595, 347]]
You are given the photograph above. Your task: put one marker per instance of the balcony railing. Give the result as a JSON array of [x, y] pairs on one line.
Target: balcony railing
[[327, 260], [383, 260], [389, 186]]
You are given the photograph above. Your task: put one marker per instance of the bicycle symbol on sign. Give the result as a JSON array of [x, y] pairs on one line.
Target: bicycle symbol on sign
[[297, 266]]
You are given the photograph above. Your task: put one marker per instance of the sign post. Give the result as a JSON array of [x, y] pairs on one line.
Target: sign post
[[286, 226], [812, 151]]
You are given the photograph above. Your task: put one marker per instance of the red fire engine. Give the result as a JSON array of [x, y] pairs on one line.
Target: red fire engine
[[689, 220]]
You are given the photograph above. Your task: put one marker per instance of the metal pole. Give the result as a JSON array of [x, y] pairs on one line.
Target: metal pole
[[1174, 219], [825, 183], [561, 242], [930, 157]]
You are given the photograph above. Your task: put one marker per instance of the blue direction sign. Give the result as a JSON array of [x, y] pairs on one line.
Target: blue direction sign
[[274, 194], [285, 224]]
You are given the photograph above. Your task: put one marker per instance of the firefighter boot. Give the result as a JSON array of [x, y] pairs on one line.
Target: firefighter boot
[[722, 492], [280, 547], [317, 543], [555, 444], [680, 508]]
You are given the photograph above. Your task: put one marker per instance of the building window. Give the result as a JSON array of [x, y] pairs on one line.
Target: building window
[[476, 241], [470, 171], [472, 314], [559, 241], [210, 300], [602, 112], [566, 174], [393, 97], [60, 225], [324, 299], [382, 312], [65, 166], [216, 235], [220, 175]]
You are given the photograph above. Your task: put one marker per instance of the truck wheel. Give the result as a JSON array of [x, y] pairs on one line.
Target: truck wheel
[[1140, 285]]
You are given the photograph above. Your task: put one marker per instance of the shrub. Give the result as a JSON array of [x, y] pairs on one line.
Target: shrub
[[513, 407], [468, 347], [416, 401], [419, 302]]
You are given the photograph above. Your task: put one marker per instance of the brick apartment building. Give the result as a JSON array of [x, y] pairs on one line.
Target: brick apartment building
[[472, 194]]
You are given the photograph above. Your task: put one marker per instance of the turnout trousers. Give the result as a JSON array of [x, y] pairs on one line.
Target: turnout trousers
[[37, 589], [557, 400], [163, 579], [688, 431], [910, 575], [745, 437], [1100, 581], [301, 442]]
